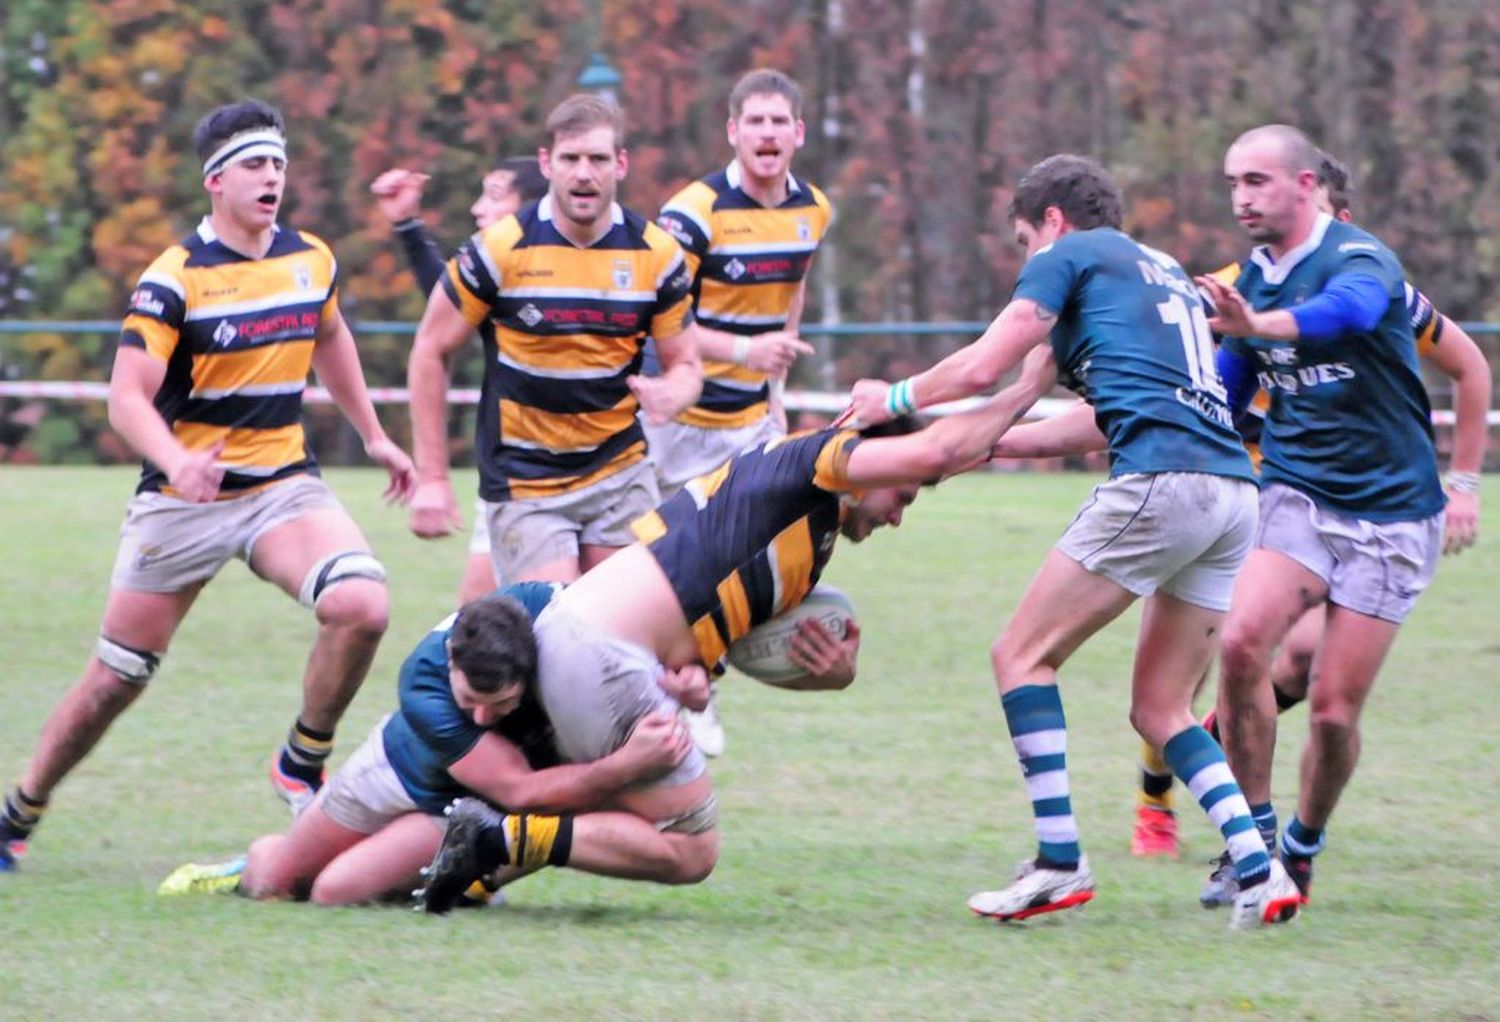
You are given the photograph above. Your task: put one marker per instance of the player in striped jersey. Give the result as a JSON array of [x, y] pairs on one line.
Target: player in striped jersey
[[207, 385], [516, 182], [572, 285], [749, 233], [730, 550]]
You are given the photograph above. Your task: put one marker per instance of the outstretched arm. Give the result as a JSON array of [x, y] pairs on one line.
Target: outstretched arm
[[1020, 327], [954, 443], [1073, 431]]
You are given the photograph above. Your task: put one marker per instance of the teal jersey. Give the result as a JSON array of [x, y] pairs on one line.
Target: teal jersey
[[1349, 423], [429, 732], [1132, 338]]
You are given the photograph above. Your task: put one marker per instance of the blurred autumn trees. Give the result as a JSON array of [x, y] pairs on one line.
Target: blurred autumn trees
[[921, 114]]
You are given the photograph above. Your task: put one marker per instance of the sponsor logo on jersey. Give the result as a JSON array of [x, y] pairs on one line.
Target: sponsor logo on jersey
[[530, 315], [734, 269], [142, 300], [225, 333]]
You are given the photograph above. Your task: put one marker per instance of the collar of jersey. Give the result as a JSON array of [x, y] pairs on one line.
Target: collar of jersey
[[206, 232], [735, 176], [544, 212], [1276, 273]]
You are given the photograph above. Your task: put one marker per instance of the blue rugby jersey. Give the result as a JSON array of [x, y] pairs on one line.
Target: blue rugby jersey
[[748, 540], [429, 733], [1349, 423], [1132, 338]]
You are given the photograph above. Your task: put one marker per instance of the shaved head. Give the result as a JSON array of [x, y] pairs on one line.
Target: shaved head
[[1297, 153]]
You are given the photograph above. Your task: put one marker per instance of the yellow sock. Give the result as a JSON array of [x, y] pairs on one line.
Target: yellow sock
[[1156, 779]]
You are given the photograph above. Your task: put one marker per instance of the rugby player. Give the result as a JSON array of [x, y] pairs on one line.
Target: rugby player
[[572, 286], [1447, 348], [1351, 511], [731, 550], [749, 233], [1173, 523], [207, 385], [516, 182], [467, 721]]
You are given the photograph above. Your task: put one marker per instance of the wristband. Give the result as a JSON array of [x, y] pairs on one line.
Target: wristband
[[900, 399], [1461, 482]]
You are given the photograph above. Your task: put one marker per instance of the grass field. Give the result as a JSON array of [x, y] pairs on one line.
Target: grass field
[[854, 824]]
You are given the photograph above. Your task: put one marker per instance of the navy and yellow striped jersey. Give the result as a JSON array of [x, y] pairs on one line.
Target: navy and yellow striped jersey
[[569, 323], [237, 336], [748, 262], [748, 540], [1426, 324]]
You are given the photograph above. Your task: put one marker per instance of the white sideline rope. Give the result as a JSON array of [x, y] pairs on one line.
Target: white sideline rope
[[828, 402]]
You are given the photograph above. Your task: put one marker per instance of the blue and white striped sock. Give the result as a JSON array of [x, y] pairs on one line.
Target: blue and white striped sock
[[1197, 759], [1034, 715], [1264, 816]]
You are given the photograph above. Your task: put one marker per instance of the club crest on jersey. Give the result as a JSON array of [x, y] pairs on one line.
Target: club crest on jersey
[[804, 229], [624, 276], [303, 277], [734, 269], [225, 333]]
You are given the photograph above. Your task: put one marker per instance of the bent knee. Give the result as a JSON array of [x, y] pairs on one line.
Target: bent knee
[[696, 859], [360, 605]]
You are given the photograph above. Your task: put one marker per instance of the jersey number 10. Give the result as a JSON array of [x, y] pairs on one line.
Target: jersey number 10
[[1197, 344]]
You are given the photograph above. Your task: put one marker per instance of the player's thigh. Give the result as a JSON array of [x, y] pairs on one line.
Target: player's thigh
[[146, 621], [286, 552], [1271, 593], [1353, 647], [1064, 605], [385, 863]]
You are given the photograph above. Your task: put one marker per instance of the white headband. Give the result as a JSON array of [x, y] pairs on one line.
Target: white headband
[[246, 145]]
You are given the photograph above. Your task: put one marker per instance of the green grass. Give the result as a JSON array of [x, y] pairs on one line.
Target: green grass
[[854, 824]]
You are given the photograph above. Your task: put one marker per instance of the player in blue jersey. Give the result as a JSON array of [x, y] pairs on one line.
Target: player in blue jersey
[[1352, 507], [468, 721], [516, 182], [1172, 525], [731, 550], [1443, 345]]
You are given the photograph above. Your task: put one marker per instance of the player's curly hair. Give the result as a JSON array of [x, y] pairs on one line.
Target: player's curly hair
[[492, 643], [1078, 186], [223, 123]]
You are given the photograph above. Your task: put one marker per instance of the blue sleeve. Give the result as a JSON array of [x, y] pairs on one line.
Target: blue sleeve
[[422, 253], [1240, 383], [1349, 303], [426, 696], [1049, 277]]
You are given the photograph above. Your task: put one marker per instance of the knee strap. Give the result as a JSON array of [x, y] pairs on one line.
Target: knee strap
[[336, 568], [134, 666]]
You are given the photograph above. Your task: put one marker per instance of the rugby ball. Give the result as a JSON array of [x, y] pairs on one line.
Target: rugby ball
[[762, 651]]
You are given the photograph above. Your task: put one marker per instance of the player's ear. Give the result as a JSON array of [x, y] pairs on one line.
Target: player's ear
[[622, 161]]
